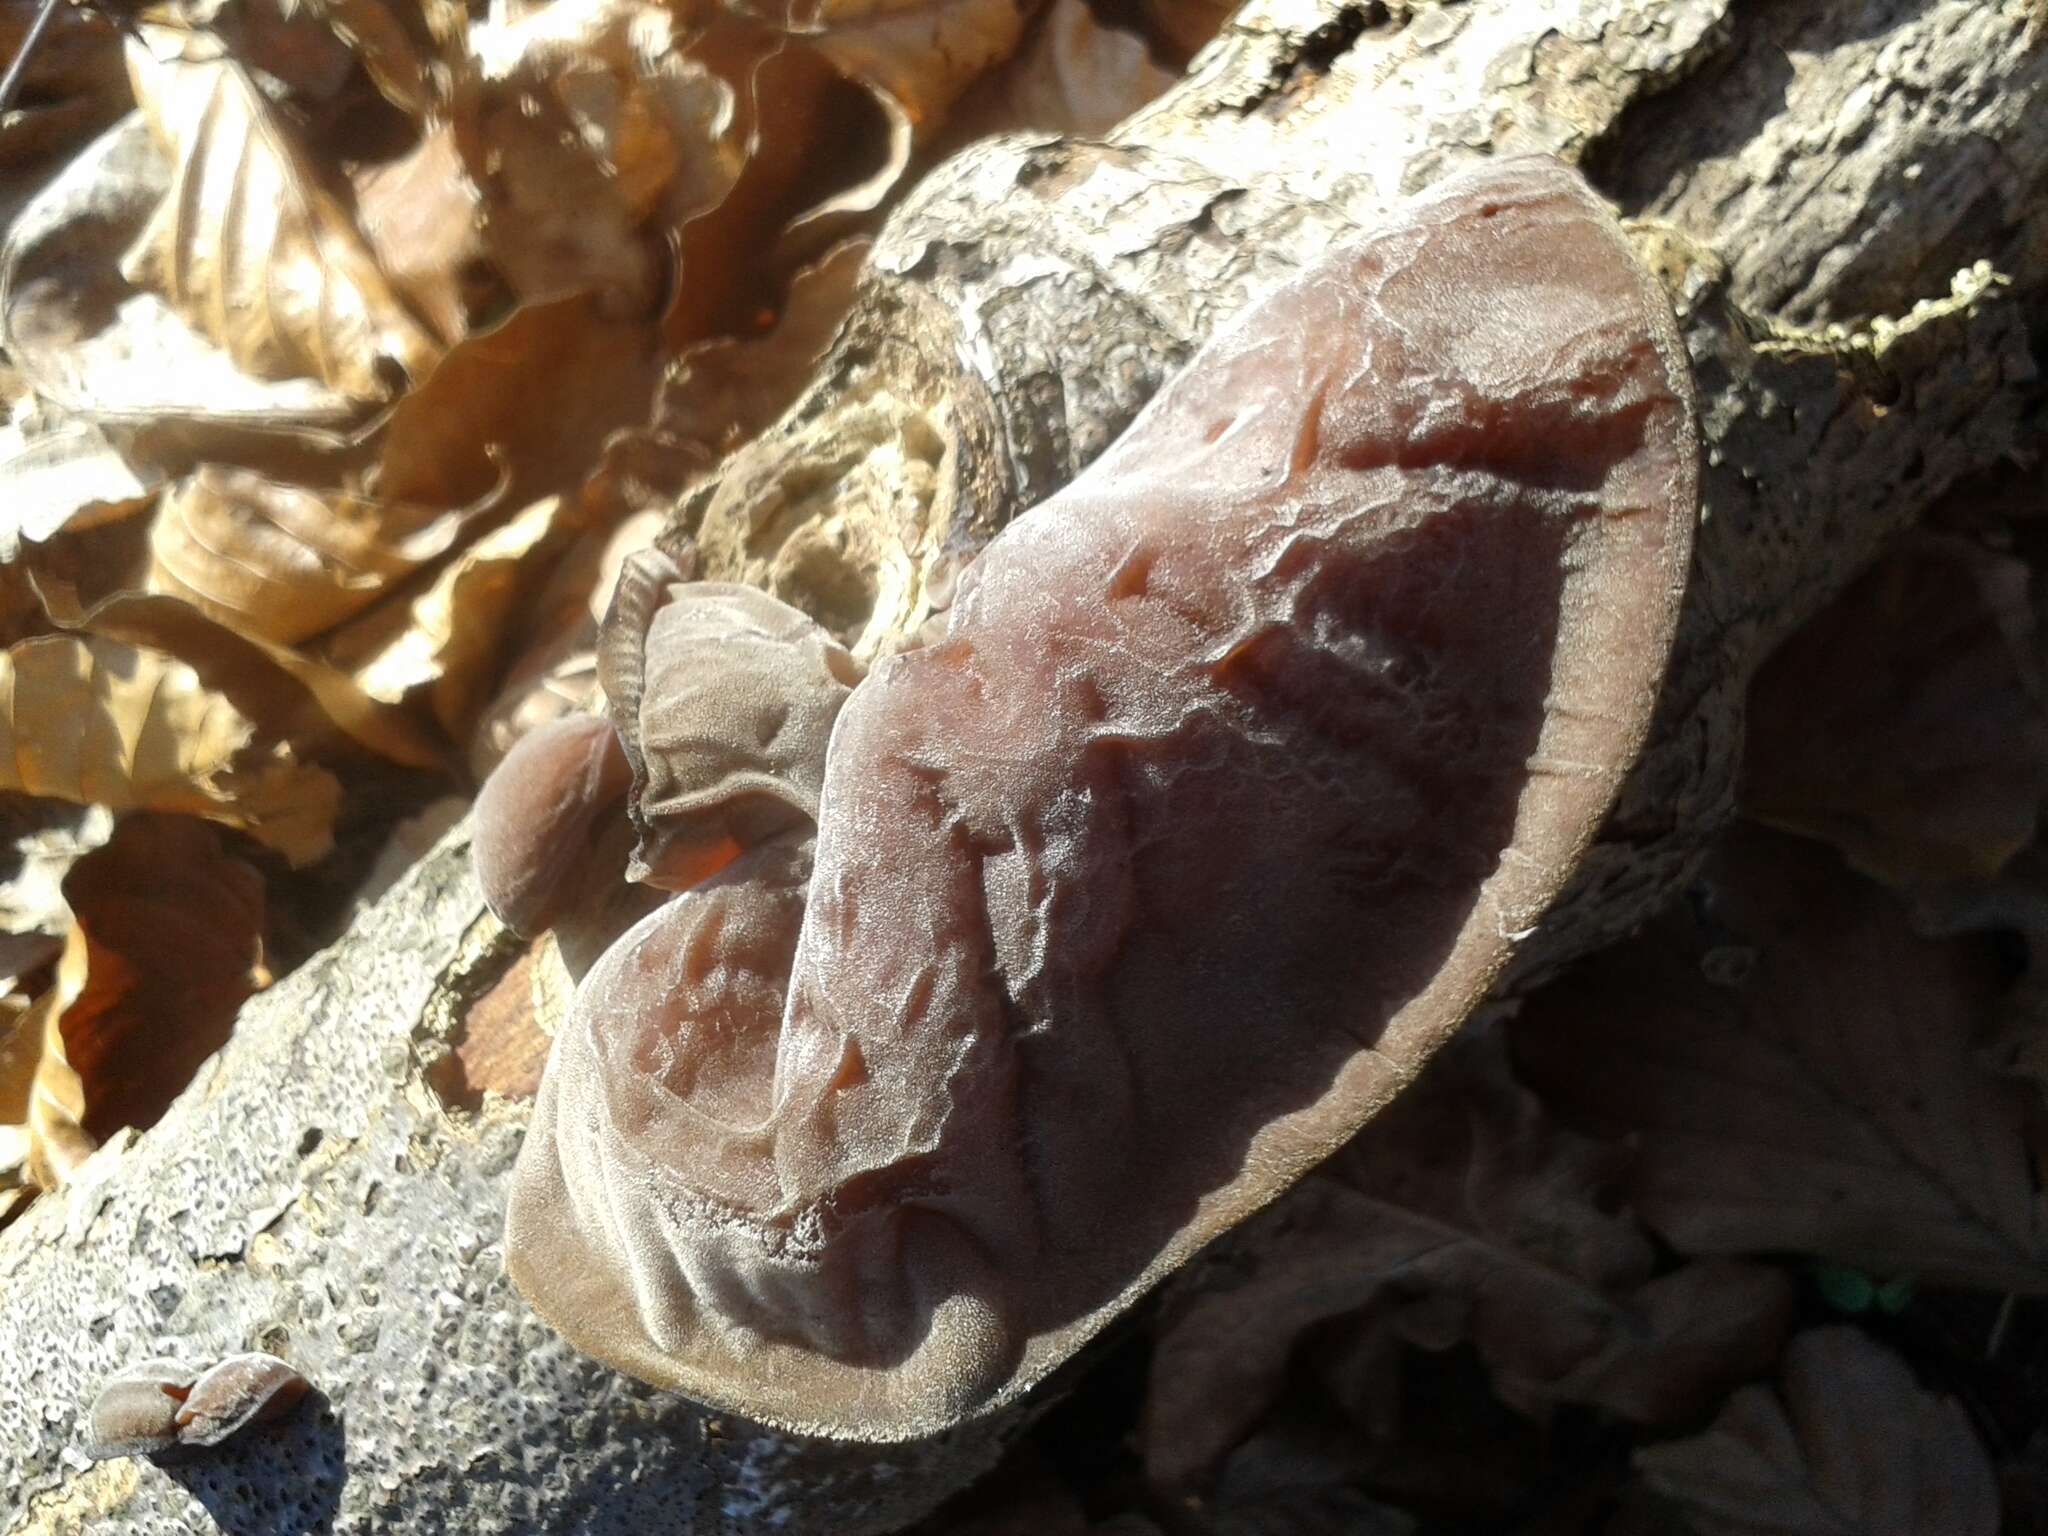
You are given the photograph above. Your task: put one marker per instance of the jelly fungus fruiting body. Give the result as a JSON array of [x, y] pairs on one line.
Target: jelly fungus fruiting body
[[1060, 945]]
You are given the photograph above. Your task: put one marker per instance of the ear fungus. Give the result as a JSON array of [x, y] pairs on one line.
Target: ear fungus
[[724, 698], [535, 815], [1244, 764], [158, 1406]]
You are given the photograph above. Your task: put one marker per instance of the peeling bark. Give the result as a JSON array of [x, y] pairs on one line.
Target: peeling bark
[[1845, 202]]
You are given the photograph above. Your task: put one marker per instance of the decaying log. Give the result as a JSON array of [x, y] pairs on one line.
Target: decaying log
[[1845, 201]]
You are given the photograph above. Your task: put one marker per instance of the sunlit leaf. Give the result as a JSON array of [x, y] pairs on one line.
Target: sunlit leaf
[[253, 251], [423, 218], [63, 473], [90, 342], [592, 135], [282, 563], [97, 722], [922, 53], [446, 642]]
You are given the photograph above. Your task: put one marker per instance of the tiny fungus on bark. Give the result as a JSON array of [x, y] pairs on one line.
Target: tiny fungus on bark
[[164, 1405], [1002, 980]]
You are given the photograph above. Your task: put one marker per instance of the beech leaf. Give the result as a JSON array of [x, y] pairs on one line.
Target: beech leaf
[[164, 942], [922, 54], [282, 562], [1847, 1443], [1799, 1071], [252, 251], [590, 133], [1462, 1212], [1073, 76], [89, 341], [172, 928], [51, 1133], [445, 641], [142, 731], [1905, 724]]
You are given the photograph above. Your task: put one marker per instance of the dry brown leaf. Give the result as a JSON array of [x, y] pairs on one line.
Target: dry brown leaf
[[97, 722], [282, 563], [2013, 903], [21, 1047], [592, 135], [423, 217], [172, 926], [446, 641], [922, 54], [1074, 77], [42, 840], [1799, 1071], [555, 641], [719, 393], [253, 251], [1906, 724], [75, 84], [1461, 1213], [52, 1137], [1184, 27], [93, 345], [390, 54], [1848, 1443], [86, 581], [281, 42], [519, 410], [61, 473]]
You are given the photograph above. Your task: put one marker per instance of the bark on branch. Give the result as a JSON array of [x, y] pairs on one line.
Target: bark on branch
[[1846, 203]]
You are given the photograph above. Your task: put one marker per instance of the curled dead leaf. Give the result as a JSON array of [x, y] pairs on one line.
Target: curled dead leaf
[[91, 720], [1799, 1071], [1906, 725], [922, 54], [64, 472], [54, 1140], [591, 133], [1463, 1213], [253, 251], [392, 54], [172, 932], [89, 342], [281, 562], [445, 641], [422, 216], [1074, 76], [74, 84], [1183, 27], [1847, 1442], [86, 583]]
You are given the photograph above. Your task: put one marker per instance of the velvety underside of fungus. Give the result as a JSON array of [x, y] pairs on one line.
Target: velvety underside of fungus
[[1241, 768]]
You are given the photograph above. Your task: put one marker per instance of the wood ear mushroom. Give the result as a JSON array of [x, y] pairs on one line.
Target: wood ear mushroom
[[158, 1406], [1002, 980]]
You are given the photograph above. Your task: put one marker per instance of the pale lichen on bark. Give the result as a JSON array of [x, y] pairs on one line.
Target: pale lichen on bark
[[1794, 164]]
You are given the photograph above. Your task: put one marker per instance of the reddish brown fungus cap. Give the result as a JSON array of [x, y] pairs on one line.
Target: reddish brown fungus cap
[[1244, 764], [535, 813]]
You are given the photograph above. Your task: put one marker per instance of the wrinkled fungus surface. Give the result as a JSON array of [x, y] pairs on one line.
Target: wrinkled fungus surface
[[1239, 771]]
